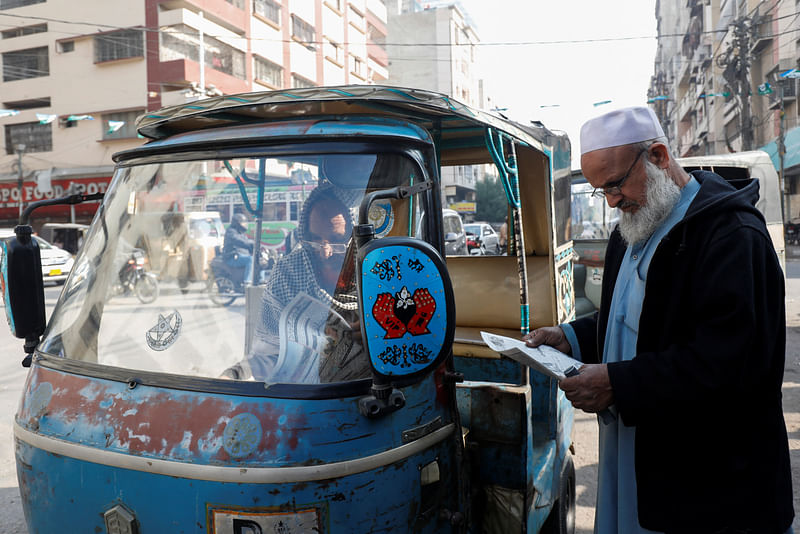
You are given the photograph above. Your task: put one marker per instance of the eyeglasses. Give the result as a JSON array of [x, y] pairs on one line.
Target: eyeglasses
[[324, 246], [615, 188]]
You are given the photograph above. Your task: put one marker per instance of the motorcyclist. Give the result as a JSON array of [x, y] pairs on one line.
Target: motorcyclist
[[237, 250]]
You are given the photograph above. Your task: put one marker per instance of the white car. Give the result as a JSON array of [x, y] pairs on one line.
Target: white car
[[56, 262]]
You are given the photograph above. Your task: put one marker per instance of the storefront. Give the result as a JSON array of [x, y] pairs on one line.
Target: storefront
[[10, 193]]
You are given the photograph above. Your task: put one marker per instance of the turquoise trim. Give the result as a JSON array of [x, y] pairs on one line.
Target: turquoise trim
[[340, 92], [240, 179], [403, 94], [524, 318], [503, 167]]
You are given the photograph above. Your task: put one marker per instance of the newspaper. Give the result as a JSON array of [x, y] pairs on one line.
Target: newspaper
[[304, 324], [543, 358]]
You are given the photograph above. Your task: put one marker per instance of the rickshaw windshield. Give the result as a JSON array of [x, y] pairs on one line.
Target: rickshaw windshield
[[241, 269]]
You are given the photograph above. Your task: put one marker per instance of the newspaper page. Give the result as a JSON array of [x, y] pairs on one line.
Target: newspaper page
[[302, 339], [543, 358]]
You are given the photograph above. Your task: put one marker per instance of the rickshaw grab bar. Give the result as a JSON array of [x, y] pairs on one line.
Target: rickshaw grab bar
[[239, 474]]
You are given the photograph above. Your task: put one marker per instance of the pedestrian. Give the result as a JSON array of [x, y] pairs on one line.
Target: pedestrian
[[502, 239], [687, 350]]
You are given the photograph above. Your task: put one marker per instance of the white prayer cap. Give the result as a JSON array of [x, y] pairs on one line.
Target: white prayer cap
[[620, 127]]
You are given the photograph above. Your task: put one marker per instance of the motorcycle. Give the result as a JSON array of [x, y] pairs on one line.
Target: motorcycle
[[134, 279], [226, 282]]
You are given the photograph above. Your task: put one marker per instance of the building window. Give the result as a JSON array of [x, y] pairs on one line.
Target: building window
[[357, 66], [236, 3], [356, 19], [31, 103], [183, 42], [23, 64], [303, 32], [125, 131], [268, 72], [35, 136], [334, 51], [11, 4], [301, 83], [269, 9], [24, 30], [118, 45], [65, 46]]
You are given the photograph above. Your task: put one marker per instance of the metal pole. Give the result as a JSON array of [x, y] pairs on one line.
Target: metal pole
[[781, 153], [202, 57], [20, 149]]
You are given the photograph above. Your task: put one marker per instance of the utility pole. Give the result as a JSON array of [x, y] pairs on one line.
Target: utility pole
[[742, 39], [735, 62], [20, 148], [786, 205]]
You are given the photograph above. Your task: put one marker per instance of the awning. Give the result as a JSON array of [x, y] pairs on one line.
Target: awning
[[792, 156]]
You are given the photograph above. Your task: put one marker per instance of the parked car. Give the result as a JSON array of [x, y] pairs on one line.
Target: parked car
[[56, 262], [68, 236], [455, 238], [484, 237]]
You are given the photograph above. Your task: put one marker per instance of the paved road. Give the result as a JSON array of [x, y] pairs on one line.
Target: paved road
[[12, 377]]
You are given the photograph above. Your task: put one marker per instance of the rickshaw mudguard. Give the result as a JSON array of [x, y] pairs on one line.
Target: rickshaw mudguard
[[86, 447]]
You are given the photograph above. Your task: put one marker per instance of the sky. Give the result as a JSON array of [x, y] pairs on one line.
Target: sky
[[558, 83]]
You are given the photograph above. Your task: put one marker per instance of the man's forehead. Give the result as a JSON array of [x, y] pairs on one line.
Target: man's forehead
[[607, 164]]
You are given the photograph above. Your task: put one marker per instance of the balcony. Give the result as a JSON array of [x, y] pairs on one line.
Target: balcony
[[789, 93], [686, 106], [702, 56], [764, 31]]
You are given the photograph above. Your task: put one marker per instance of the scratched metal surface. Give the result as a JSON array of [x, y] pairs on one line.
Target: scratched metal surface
[[195, 428]]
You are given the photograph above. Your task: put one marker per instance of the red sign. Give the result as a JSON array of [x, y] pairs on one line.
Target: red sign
[[10, 193]]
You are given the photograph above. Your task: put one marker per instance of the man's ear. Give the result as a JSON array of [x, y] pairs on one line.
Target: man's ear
[[659, 155]]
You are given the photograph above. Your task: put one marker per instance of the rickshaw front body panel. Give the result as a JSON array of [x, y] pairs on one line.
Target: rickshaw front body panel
[[205, 460]]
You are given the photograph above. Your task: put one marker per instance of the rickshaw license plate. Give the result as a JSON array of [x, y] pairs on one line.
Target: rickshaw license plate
[[262, 521], [55, 272]]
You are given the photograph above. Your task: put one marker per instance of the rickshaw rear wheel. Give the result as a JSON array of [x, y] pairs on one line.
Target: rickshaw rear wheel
[[562, 517]]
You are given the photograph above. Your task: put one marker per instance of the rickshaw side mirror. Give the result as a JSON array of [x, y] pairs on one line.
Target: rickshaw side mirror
[[407, 315], [23, 286]]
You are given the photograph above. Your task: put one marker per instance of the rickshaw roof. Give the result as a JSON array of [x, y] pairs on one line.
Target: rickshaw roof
[[423, 107]]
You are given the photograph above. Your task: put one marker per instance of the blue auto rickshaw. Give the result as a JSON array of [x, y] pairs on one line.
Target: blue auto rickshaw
[[360, 402]]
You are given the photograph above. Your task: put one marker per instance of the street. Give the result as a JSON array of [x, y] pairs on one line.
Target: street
[[12, 377]]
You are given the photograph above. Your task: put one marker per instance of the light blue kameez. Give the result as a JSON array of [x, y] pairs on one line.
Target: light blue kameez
[[616, 490]]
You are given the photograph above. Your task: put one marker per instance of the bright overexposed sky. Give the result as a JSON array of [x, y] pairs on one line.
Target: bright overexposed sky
[[609, 56]]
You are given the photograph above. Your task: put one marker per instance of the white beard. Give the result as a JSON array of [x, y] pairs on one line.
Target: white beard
[[662, 195]]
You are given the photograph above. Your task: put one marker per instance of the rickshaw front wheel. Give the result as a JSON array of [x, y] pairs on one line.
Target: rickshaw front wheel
[[562, 517]]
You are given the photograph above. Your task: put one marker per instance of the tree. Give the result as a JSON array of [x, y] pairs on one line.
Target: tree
[[491, 200]]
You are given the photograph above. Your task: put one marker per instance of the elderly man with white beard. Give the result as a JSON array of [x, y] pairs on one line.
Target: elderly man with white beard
[[687, 350]]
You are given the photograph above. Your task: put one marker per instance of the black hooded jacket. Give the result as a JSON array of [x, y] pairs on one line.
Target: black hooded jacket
[[704, 390]]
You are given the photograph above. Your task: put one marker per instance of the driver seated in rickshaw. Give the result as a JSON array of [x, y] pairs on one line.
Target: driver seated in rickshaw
[[309, 328]]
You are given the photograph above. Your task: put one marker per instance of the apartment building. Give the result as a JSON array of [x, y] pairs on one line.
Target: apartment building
[[433, 46], [77, 74], [723, 80]]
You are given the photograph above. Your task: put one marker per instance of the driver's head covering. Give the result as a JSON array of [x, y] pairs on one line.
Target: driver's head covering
[[620, 127], [348, 198]]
